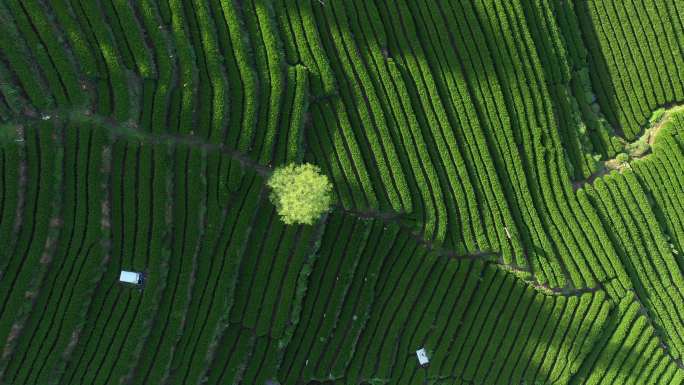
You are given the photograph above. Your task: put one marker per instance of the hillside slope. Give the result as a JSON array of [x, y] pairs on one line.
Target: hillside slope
[[476, 211]]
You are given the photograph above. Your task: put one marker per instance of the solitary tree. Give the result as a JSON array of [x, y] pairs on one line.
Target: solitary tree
[[300, 193]]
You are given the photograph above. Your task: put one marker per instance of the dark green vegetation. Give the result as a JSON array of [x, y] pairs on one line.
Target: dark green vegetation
[[465, 141]]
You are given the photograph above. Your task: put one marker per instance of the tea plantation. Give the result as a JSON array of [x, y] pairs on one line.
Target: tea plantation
[[507, 192]]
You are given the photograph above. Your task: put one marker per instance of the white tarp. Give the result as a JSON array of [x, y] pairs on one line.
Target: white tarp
[[129, 277], [422, 357]]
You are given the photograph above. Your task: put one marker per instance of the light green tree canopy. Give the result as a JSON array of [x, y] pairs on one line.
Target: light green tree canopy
[[300, 193]]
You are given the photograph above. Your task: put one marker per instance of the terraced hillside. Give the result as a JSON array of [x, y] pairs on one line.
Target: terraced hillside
[[508, 180]]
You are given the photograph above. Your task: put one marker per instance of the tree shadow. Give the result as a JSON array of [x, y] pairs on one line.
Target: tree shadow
[[601, 80], [632, 358]]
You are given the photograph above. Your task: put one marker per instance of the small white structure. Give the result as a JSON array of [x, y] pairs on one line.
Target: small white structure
[[131, 277], [423, 359]]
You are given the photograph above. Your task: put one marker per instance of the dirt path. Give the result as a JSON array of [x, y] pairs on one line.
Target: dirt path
[[132, 130], [653, 132], [649, 136]]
